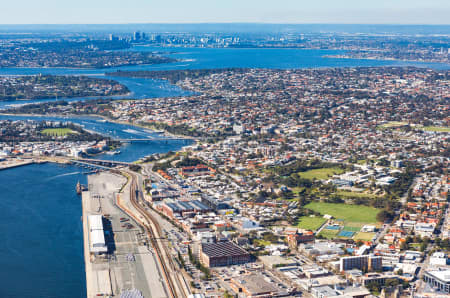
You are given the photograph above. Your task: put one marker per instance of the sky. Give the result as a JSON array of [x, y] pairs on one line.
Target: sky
[[225, 11]]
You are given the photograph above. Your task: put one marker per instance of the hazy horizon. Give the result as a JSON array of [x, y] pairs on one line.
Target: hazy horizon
[[233, 11]]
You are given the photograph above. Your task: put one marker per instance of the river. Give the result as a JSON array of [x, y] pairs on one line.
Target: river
[[41, 252], [199, 58]]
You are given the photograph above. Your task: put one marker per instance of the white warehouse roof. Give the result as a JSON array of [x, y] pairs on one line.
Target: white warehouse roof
[[97, 240], [95, 222]]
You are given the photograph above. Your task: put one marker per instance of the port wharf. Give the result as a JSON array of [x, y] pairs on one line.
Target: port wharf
[[14, 163]]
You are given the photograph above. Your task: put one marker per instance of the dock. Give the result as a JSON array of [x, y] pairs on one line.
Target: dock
[[129, 265], [14, 163]]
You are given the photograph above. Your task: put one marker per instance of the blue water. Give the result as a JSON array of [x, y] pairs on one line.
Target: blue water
[[282, 58], [41, 252], [130, 151], [198, 58]]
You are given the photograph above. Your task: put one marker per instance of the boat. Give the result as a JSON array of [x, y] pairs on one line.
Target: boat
[[80, 188], [113, 152]]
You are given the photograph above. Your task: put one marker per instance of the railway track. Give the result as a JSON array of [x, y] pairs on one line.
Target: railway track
[[175, 289]]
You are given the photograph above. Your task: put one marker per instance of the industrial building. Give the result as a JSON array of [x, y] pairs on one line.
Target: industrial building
[[254, 285], [365, 262], [222, 254], [213, 203], [97, 243], [172, 207]]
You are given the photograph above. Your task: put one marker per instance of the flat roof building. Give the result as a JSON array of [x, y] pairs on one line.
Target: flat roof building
[[365, 262], [97, 244], [254, 285], [223, 254], [438, 279]]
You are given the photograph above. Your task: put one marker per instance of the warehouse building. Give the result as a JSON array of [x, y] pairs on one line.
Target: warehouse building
[[222, 254], [97, 243], [175, 207]]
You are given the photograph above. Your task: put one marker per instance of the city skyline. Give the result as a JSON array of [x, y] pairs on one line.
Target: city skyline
[[233, 11]]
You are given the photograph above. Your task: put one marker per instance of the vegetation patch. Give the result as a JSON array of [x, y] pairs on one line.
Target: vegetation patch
[[261, 242], [354, 194], [310, 223], [364, 236], [436, 128], [58, 132], [349, 213], [329, 234], [323, 173], [393, 124]]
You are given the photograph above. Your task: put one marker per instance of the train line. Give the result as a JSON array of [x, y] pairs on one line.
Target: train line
[[167, 267]]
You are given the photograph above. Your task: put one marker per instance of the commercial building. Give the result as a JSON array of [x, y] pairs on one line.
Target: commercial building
[[365, 262], [222, 254], [438, 279], [439, 259]]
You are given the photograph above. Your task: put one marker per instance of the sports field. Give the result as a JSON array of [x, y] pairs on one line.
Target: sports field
[[345, 193], [349, 213], [392, 124], [310, 223], [364, 236], [58, 132], [320, 174], [346, 234], [329, 234], [436, 128]]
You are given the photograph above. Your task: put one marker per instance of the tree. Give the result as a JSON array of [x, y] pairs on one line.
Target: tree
[[385, 215]]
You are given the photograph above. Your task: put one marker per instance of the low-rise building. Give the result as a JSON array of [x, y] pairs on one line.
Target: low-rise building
[[438, 279], [223, 254]]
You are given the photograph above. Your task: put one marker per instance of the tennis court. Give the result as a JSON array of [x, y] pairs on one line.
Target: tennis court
[[333, 227], [346, 234], [352, 229]]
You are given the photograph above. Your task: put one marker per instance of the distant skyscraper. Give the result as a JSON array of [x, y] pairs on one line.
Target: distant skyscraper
[[137, 35]]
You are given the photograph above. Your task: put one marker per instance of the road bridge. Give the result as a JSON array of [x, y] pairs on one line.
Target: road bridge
[[149, 139]]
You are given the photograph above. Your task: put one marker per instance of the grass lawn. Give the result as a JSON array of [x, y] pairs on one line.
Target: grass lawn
[[261, 242], [364, 236], [310, 223], [297, 190], [59, 132], [329, 234], [345, 193], [393, 124], [323, 173], [436, 128], [349, 213]]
